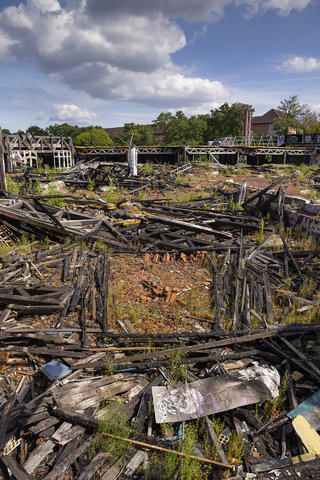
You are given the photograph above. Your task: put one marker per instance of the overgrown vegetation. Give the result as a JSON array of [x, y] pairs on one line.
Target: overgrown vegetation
[[235, 447], [12, 186], [271, 408]]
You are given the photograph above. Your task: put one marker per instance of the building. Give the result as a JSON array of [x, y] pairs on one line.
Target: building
[[263, 124]]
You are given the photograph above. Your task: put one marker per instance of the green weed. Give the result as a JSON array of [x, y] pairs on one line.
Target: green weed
[[271, 407], [91, 185], [178, 371], [109, 366], [12, 186], [235, 447]]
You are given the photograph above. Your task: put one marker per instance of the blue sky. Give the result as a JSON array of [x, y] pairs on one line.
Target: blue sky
[[103, 62]]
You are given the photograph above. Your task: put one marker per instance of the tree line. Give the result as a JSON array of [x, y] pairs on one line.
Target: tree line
[[225, 121]]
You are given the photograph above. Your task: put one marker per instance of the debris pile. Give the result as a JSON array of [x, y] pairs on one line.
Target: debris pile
[[81, 398]]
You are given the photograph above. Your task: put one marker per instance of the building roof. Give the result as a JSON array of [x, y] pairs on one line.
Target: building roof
[[268, 117]]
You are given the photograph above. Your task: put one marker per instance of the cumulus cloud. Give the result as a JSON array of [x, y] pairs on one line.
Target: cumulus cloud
[[42, 114], [283, 7], [299, 64], [72, 113], [118, 50]]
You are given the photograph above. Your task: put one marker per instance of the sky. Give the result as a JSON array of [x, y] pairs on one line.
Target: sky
[[107, 62]]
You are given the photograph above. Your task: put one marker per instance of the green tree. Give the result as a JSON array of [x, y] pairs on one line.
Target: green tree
[[287, 121], [6, 131], [162, 122], [143, 135], [35, 130], [177, 129], [118, 139], [65, 130], [94, 137], [198, 130], [146, 135], [227, 120], [309, 120]]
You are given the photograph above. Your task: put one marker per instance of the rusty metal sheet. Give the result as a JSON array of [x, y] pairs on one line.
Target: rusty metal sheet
[[205, 397]]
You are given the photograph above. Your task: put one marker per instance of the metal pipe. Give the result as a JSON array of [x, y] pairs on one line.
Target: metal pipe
[[167, 450]]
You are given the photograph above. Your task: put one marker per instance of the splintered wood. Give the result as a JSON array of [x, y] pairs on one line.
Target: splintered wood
[[231, 383]]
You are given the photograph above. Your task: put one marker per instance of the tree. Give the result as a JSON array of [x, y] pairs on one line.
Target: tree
[[35, 130], [195, 130], [309, 120], [288, 122], [227, 120], [176, 129], [162, 120], [94, 137], [6, 131], [198, 130], [143, 135], [65, 130], [146, 135]]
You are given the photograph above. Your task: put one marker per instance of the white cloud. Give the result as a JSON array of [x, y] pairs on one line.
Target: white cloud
[[283, 7], [119, 50], [42, 114], [159, 89], [72, 113], [198, 110], [298, 64]]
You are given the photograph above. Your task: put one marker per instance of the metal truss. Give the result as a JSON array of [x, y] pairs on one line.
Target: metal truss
[[102, 150], [124, 150], [281, 151], [158, 150], [232, 150], [36, 143], [212, 149]]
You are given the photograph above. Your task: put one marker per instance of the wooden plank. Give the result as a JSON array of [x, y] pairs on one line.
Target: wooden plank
[[93, 466], [5, 418], [62, 467], [269, 304], [68, 434], [238, 286], [188, 226], [113, 472], [66, 266], [37, 417], [135, 462], [89, 397], [17, 471], [27, 301], [142, 414], [38, 455], [48, 422], [200, 346], [5, 315]]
